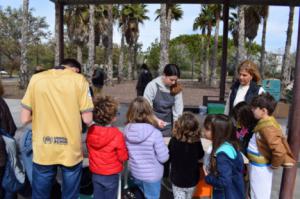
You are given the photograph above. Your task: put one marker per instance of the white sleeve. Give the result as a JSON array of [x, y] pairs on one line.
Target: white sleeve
[[226, 111], [177, 109], [261, 90], [150, 92]]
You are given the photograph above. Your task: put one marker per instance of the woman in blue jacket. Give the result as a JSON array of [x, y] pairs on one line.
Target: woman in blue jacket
[[226, 168]]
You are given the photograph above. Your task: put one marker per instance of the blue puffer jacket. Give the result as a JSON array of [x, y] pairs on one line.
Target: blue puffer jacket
[[229, 183], [26, 152]]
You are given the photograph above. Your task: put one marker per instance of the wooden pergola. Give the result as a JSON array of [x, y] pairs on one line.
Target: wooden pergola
[[289, 175]]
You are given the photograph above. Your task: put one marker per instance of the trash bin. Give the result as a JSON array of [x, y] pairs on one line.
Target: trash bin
[[272, 86]]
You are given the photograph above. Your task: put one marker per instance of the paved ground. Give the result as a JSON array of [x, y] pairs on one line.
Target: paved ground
[[14, 106]]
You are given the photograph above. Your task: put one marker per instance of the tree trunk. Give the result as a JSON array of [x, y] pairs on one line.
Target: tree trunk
[[169, 25], [110, 45], [214, 61], [79, 54], [129, 64], [91, 44], [202, 56], [164, 47], [23, 66], [121, 59], [286, 68], [207, 55], [135, 67], [263, 47], [241, 52]]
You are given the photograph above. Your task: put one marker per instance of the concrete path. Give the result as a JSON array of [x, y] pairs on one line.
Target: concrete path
[[15, 107]]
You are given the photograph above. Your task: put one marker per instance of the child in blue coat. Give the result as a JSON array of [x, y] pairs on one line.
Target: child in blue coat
[[226, 162]]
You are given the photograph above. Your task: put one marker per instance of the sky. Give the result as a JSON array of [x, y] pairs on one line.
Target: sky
[[149, 31]]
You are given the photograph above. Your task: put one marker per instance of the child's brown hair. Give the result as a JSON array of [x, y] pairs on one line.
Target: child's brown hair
[[208, 121], [264, 100], [140, 111], [105, 109], [243, 115], [223, 130], [187, 128]]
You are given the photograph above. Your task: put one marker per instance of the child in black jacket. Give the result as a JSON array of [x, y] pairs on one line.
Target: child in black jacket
[[185, 152]]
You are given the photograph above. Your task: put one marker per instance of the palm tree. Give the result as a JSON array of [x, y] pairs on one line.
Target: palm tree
[[205, 21], [133, 16], [110, 44], [214, 59], [241, 51], [123, 26], [25, 30], [91, 43], [76, 19], [286, 68], [265, 15], [166, 13]]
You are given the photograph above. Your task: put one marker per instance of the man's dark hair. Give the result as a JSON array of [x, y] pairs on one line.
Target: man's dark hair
[[264, 100], [71, 63], [144, 66]]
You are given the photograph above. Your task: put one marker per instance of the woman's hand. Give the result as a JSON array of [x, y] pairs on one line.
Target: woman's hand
[[161, 124]]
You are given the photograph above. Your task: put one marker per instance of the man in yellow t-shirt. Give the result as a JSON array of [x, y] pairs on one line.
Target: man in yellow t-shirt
[[56, 100]]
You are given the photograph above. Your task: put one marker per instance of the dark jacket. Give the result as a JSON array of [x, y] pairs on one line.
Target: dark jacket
[[252, 92], [229, 182], [8, 125], [6, 120], [144, 78], [184, 159]]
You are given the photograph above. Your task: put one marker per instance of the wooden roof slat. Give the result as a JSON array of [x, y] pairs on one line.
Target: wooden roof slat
[[233, 2]]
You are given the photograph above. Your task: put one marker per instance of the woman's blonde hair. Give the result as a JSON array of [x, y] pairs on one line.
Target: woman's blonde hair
[[187, 128], [251, 68], [140, 111]]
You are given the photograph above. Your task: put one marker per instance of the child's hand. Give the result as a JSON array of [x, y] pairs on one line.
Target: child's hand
[[205, 171]]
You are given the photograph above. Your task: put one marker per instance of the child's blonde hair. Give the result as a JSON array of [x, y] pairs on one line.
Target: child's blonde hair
[[187, 128], [140, 111], [105, 109]]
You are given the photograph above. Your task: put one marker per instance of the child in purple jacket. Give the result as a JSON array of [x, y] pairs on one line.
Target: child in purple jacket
[[146, 147]]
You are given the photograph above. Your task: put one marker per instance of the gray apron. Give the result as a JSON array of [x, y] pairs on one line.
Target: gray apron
[[162, 107]]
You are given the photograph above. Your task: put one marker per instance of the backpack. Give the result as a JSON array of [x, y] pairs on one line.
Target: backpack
[[14, 172]]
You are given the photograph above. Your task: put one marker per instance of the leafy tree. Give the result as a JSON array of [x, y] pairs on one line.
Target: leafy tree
[[10, 35], [166, 14]]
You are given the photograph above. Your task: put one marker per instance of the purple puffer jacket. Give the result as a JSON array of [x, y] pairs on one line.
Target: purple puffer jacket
[[147, 151]]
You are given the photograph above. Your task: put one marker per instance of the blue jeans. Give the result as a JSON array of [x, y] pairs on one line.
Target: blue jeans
[[151, 190], [105, 186], [43, 177]]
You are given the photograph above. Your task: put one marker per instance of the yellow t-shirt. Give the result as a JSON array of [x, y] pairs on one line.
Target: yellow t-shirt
[[57, 98]]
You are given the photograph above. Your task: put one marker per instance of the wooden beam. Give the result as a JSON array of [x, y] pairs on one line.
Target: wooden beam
[[289, 175], [231, 2], [224, 51]]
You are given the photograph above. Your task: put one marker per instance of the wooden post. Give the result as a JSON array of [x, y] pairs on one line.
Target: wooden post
[[224, 51], [289, 175], [59, 32]]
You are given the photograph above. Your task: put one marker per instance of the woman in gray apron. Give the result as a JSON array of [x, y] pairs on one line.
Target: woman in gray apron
[[165, 96]]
